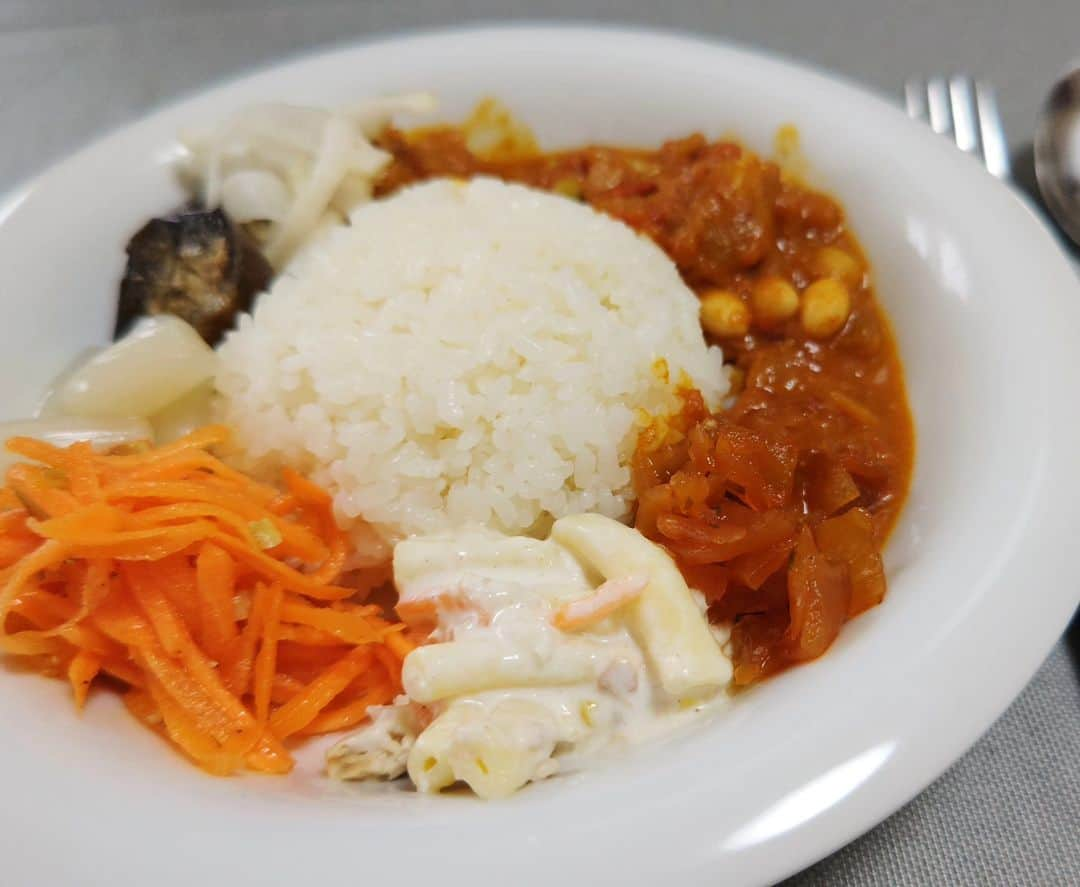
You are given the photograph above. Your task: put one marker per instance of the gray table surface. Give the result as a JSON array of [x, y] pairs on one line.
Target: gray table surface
[[1007, 813]]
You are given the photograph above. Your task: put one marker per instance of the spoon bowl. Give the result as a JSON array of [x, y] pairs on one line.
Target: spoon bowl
[[1057, 153]]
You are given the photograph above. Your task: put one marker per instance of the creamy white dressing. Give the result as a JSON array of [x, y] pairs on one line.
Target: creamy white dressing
[[501, 697]]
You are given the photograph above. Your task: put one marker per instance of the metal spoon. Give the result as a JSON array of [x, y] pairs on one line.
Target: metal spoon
[[1057, 153]]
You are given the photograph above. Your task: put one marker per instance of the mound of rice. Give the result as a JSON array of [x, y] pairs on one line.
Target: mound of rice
[[465, 353]]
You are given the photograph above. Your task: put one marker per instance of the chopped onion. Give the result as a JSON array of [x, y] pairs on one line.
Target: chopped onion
[[155, 364], [373, 114], [254, 195], [62, 431], [265, 534], [49, 403], [298, 168], [331, 166]]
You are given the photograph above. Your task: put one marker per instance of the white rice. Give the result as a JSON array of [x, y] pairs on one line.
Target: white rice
[[465, 353]]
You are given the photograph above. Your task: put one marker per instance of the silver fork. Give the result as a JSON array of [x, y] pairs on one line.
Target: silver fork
[[965, 110]]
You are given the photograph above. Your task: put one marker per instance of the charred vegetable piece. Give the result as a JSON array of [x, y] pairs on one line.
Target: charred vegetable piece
[[195, 265]]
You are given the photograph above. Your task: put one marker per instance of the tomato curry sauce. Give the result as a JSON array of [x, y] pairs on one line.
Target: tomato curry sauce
[[776, 508]]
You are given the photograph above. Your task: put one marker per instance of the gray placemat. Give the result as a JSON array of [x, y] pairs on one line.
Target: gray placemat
[[1007, 813]]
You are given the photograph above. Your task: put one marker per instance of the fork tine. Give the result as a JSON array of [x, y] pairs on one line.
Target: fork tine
[[937, 97], [991, 131], [964, 113], [964, 109], [915, 99]]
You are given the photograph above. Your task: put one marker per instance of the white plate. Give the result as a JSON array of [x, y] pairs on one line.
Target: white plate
[[981, 567]]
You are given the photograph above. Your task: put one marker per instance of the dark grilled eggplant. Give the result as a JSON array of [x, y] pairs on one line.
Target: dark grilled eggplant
[[196, 265]]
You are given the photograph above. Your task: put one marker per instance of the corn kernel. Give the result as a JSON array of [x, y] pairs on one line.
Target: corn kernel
[[831, 261], [724, 315], [774, 300], [826, 305]]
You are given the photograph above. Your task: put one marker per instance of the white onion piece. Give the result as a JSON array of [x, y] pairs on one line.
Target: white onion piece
[[49, 404], [331, 165], [184, 415], [158, 362], [295, 167], [62, 431], [254, 195], [373, 114]]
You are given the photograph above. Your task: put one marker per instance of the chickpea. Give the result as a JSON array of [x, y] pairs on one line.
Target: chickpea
[[838, 264], [724, 314], [774, 300], [826, 305]]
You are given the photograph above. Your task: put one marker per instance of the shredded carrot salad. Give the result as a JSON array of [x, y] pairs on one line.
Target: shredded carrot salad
[[208, 597]]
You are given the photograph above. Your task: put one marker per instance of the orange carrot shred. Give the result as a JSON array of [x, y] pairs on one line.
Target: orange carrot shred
[[187, 733], [310, 637], [351, 713], [302, 709], [284, 688], [83, 480], [215, 582], [36, 490], [239, 657], [142, 706], [392, 666], [37, 451], [290, 578], [266, 658], [304, 490], [179, 581], [270, 756], [123, 671], [144, 566], [352, 628], [200, 439], [82, 670], [605, 600]]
